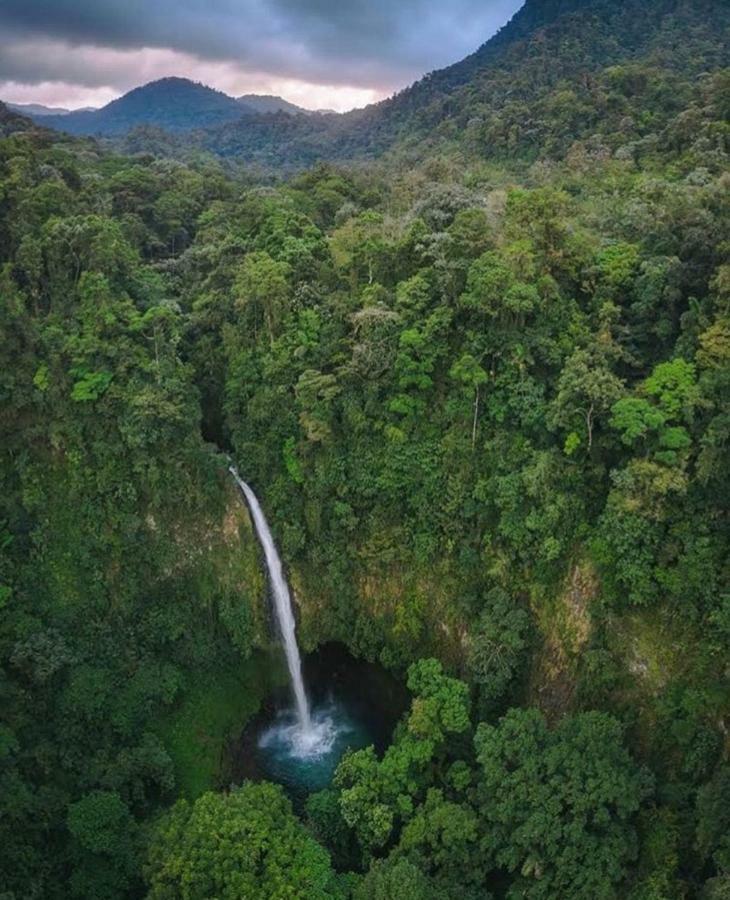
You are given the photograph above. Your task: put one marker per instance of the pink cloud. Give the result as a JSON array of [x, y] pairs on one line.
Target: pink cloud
[[92, 76]]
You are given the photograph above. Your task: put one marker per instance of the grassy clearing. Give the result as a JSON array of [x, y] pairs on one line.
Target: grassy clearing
[[216, 706]]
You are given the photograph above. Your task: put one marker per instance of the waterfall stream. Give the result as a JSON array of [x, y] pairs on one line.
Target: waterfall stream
[[300, 747], [282, 605]]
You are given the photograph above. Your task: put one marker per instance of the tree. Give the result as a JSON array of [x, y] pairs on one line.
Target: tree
[[658, 862], [395, 879], [587, 388], [246, 844], [713, 820], [262, 292], [442, 838], [660, 411], [419, 349], [558, 806], [542, 214], [359, 248], [498, 644], [494, 293], [315, 393], [716, 888], [324, 817], [379, 795], [105, 844], [470, 375]]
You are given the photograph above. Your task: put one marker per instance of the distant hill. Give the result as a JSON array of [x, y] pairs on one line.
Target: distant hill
[[269, 103], [38, 109], [175, 104]]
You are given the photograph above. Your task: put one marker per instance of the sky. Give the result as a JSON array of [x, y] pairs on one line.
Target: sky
[[335, 54]]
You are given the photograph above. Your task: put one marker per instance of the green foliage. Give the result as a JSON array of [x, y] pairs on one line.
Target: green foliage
[[713, 826], [325, 819], [244, 844], [394, 880], [261, 290], [442, 703], [100, 822], [104, 838], [443, 836], [670, 395], [658, 857], [578, 782], [89, 386], [215, 708], [498, 644], [376, 796], [456, 377]]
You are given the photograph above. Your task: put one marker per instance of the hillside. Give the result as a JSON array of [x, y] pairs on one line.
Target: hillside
[[555, 74], [38, 109], [11, 121], [269, 103], [171, 104]]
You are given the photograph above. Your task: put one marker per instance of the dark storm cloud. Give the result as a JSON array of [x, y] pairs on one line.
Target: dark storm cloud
[[380, 44]]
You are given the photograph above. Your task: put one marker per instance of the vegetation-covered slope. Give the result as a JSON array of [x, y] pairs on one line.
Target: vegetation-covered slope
[[485, 406], [269, 103], [613, 71]]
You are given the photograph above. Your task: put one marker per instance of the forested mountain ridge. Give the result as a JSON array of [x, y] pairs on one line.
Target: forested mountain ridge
[[483, 397], [176, 104], [12, 121], [38, 109], [269, 103], [556, 73]]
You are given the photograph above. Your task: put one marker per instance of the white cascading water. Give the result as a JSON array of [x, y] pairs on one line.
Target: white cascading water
[[284, 613]]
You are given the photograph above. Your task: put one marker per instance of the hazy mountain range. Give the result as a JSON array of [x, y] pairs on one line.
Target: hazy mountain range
[[175, 104], [38, 109], [520, 92]]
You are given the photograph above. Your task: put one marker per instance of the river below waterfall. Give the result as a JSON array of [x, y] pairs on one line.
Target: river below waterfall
[[353, 704]]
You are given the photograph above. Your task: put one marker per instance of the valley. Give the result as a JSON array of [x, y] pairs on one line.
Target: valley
[[364, 480]]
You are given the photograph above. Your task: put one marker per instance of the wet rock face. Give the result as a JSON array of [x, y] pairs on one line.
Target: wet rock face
[[565, 625]]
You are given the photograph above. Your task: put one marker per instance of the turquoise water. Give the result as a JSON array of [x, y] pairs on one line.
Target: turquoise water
[[354, 704], [306, 762]]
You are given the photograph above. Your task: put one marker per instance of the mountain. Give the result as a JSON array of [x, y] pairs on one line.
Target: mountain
[[38, 109], [175, 104], [269, 103], [559, 71]]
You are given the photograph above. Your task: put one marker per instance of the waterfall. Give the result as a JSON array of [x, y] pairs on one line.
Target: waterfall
[[282, 602]]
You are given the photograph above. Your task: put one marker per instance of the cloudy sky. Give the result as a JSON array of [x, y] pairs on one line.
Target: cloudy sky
[[318, 53]]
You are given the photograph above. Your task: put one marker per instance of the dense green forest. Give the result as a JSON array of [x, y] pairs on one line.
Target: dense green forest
[[482, 387]]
